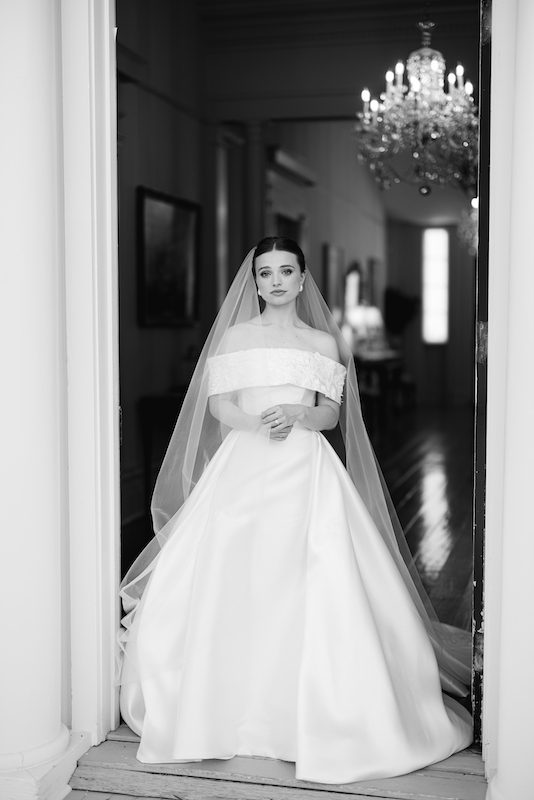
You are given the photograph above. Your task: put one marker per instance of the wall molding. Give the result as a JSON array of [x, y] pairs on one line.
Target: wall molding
[[231, 24], [48, 780], [290, 167], [91, 269]]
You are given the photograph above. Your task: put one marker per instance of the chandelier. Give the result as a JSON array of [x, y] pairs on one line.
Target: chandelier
[[419, 133]]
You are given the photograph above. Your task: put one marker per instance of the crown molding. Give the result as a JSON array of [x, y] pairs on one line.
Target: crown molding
[[272, 24]]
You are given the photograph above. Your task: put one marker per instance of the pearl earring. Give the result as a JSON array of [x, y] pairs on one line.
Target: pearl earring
[[259, 293], [301, 287]]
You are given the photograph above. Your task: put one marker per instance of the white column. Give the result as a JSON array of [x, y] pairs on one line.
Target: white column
[[33, 384], [59, 399], [509, 691]]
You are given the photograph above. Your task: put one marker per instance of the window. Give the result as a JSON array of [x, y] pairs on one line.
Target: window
[[435, 286]]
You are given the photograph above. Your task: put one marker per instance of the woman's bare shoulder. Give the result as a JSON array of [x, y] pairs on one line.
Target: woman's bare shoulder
[[323, 342], [239, 336]]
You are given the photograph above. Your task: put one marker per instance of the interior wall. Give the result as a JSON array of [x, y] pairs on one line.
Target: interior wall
[[443, 374], [159, 147], [169, 135], [344, 207]]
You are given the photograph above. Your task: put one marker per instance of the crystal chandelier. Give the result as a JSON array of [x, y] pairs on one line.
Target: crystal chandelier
[[420, 134]]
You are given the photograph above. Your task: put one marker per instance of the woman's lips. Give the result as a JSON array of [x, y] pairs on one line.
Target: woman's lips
[[279, 291]]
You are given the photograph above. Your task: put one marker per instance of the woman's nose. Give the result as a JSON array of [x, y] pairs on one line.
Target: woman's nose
[[276, 279]]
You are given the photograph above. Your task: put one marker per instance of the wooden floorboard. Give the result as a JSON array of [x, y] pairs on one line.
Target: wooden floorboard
[[427, 461], [466, 762], [113, 767]]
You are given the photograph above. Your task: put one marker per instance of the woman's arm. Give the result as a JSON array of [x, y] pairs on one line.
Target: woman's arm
[[226, 411], [322, 417]]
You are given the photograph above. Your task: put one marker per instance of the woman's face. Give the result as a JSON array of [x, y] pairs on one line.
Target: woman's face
[[278, 277]]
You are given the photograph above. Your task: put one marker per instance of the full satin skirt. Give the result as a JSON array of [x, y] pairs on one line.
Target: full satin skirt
[[275, 623]]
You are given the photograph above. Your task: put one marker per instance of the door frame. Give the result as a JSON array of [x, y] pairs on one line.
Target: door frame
[[481, 370], [89, 140], [508, 701], [89, 134]]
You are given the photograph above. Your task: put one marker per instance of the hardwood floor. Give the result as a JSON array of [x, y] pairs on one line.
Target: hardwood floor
[[427, 460]]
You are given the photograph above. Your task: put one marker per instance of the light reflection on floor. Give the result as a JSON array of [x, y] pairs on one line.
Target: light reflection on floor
[[428, 466], [437, 541]]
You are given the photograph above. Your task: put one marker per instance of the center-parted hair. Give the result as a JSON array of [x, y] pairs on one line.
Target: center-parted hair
[[271, 243]]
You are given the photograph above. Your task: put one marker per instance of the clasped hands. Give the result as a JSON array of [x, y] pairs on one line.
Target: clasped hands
[[277, 422]]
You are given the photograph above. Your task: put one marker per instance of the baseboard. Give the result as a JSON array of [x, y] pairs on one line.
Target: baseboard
[[48, 781]]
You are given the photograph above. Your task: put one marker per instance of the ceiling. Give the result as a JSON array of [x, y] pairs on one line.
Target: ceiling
[[390, 25], [231, 22]]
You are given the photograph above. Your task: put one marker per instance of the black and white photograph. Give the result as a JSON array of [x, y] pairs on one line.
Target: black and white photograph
[[267, 368]]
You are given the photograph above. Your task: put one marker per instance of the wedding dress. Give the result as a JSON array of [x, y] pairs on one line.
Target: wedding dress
[[275, 621]]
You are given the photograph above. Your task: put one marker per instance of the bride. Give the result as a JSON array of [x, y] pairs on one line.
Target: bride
[[277, 611]]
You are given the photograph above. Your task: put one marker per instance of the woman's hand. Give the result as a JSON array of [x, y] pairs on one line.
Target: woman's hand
[[278, 421], [323, 416], [277, 433]]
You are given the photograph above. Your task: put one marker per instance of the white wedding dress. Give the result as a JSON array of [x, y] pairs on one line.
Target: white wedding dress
[[275, 622]]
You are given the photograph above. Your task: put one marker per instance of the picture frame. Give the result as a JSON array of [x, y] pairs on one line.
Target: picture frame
[[168, 259]]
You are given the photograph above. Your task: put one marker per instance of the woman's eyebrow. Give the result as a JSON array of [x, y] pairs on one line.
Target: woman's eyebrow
[[282, 266]]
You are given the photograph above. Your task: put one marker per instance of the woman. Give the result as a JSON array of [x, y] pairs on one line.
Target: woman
[[277, 612]]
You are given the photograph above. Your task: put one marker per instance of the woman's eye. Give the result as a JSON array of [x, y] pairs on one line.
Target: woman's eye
[[264, 274]]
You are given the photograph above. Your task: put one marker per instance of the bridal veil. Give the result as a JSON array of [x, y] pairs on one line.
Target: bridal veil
[[198, 435]]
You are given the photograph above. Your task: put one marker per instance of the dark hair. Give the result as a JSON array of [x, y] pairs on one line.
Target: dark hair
[[271, 243]]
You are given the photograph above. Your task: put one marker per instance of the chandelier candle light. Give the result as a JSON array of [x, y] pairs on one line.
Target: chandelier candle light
[[418, 133]]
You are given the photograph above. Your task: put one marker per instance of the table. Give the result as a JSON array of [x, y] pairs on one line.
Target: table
[[380, 375]]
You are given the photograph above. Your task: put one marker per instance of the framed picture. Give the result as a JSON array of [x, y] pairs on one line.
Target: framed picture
[[168, 247], [334, 279]]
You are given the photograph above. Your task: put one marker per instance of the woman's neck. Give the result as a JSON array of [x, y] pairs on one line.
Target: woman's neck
[[283, 316]]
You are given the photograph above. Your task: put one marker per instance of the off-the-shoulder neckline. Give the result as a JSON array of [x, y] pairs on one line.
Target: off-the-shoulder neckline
[[290, 349]]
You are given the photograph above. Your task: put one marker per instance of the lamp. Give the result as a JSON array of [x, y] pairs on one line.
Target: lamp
[[418, 133]]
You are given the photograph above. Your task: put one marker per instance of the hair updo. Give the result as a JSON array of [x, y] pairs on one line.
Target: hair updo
[[271, 243]]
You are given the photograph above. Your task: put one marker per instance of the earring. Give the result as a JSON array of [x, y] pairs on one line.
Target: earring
[[259, 293], [301, 287]]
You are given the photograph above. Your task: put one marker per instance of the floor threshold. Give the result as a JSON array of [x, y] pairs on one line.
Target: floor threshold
[[111, 771]]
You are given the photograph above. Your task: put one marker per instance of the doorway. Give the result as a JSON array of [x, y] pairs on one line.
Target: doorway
[[160, 124]]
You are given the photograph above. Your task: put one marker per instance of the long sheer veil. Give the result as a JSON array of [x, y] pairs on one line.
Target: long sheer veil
[[198, 435]]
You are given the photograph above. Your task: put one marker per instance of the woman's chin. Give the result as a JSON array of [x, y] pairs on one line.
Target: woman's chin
[[280, 300]]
